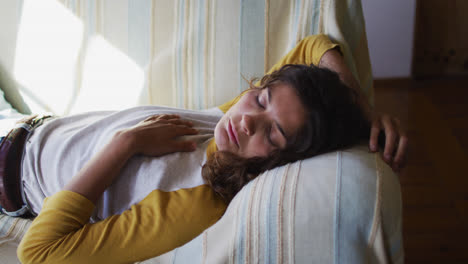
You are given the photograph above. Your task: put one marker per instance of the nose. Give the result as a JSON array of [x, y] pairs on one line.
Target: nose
[[248, 124]]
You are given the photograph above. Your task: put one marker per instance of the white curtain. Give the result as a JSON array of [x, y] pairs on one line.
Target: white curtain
[[81, 55]]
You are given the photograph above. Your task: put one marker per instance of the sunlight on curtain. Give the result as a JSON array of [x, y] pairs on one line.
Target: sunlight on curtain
[[194, 52], [111, 81], [63, 73], [48, 44]]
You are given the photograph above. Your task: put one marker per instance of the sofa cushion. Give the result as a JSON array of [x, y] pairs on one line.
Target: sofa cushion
[[339, 207]]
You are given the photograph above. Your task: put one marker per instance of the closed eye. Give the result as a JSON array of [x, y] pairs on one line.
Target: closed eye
[[257, 98], [268, 132]]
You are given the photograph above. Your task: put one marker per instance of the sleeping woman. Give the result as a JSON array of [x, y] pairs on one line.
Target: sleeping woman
[[121, 187]]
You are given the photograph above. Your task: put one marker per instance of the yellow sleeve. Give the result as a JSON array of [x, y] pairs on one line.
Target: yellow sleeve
[[308, 51], [159, 223]]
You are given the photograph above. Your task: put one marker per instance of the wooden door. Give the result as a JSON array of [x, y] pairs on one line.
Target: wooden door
[[441, 38]]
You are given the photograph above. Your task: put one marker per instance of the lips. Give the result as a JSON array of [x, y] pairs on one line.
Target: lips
[[232, 133]]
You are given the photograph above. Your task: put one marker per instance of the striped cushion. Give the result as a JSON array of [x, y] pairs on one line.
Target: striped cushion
[[340, 207], [11, 231]]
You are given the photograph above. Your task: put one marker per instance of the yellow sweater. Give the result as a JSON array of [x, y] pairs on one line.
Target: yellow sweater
[[159, 223]]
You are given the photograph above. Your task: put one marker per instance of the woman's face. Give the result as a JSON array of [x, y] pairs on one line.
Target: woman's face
[[261, 122]]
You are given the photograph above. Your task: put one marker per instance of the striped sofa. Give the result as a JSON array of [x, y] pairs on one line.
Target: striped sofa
[[340, 207]]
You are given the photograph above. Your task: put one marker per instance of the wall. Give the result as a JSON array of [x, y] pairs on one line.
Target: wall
[[390, 30]]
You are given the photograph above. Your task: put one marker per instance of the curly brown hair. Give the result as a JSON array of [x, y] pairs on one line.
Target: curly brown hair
[[334, 121]]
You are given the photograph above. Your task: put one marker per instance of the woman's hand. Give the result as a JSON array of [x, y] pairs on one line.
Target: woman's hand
[[396, 142], [155, 136], [158, 135]]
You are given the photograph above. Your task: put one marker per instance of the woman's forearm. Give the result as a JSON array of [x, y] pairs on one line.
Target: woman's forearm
[[93, 179], [333, 60]]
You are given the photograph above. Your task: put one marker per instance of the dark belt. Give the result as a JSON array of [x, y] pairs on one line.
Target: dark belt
[[11, 153]]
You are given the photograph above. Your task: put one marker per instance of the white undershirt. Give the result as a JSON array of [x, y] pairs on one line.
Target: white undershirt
[[57, 150]]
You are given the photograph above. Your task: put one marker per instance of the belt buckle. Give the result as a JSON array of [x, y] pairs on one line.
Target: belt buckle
[[32, 122], [37, 121]]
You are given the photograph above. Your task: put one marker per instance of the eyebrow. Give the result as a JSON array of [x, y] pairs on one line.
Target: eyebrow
[[279, 127]]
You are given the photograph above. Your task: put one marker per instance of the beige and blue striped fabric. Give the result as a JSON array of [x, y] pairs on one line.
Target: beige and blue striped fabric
[[195, 53], [11, 232], [340, 207]]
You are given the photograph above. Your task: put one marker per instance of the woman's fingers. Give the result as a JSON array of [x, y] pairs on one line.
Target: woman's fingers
[[159, 135], [180, 122], [167, 119], [401, 154], [391, 137], [173, 145], [396, 142], [182, 130], [184, 146], [402, 151], [172, 125], [375, 130], [162, 117], [169, 116]]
